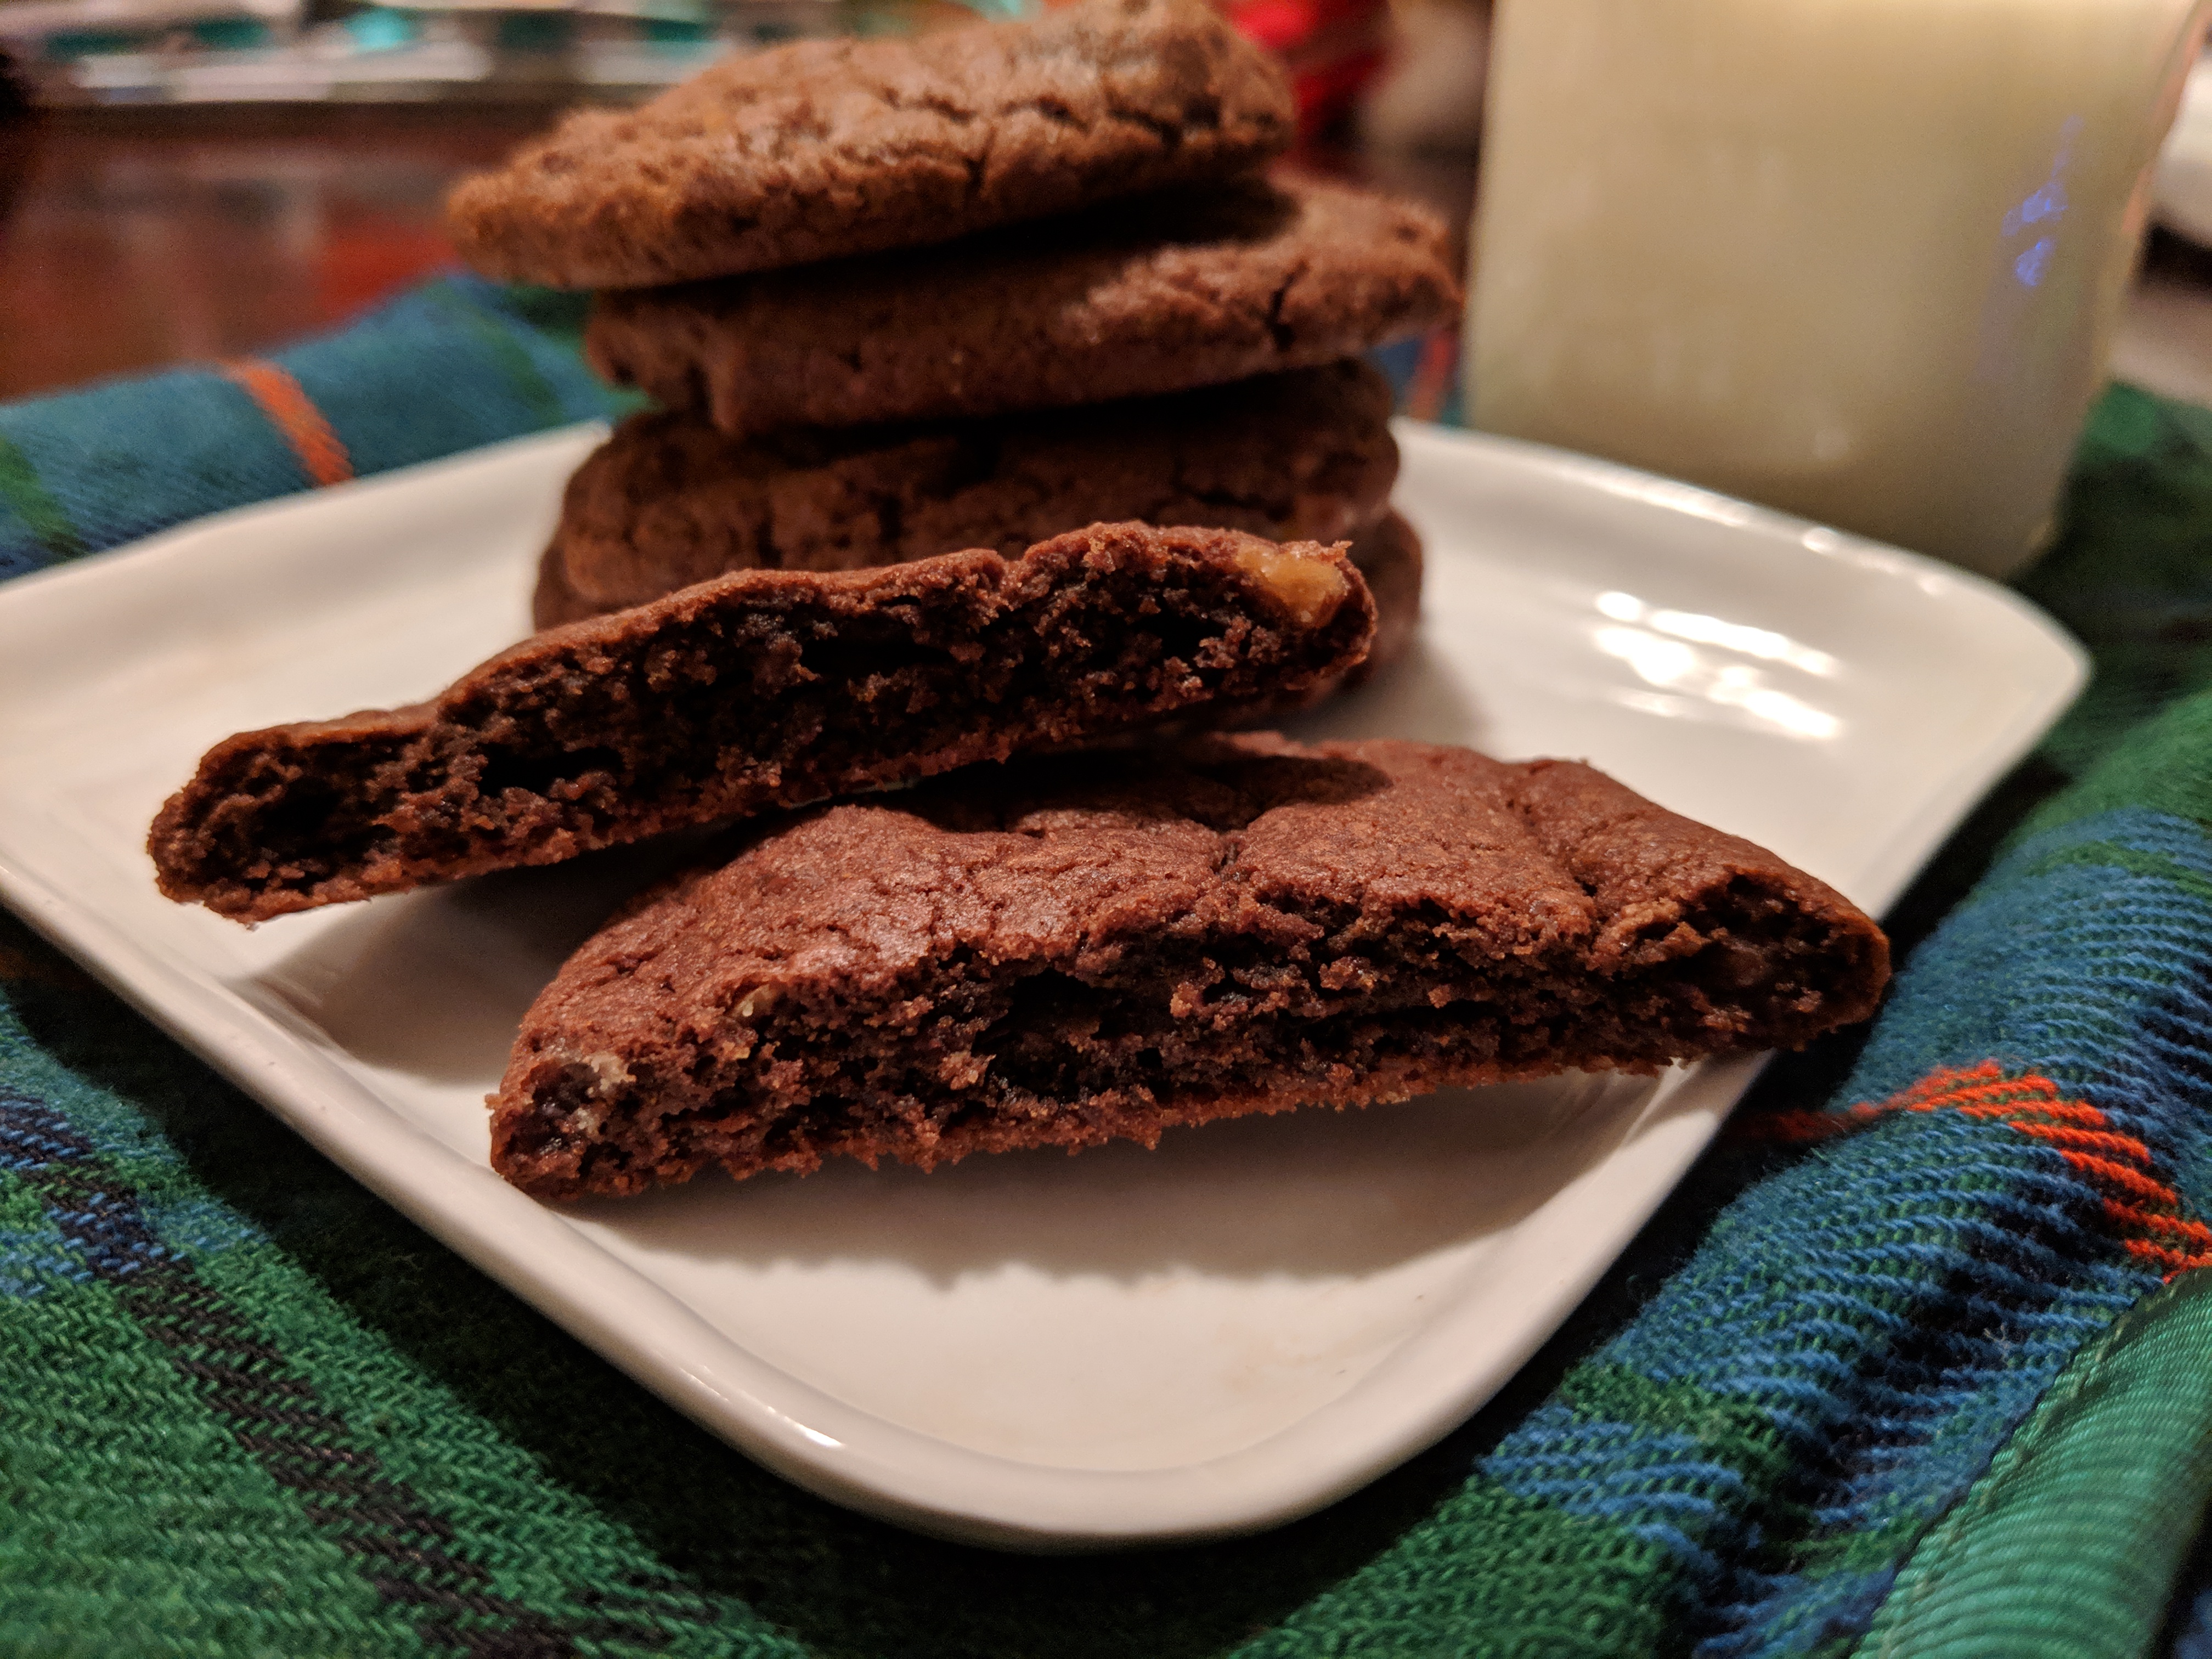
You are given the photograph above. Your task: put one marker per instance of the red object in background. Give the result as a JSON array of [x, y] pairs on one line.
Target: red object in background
[[1333, 49], [370, 257]]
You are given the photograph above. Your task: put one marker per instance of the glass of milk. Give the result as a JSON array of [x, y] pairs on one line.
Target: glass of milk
[[1858, 259]]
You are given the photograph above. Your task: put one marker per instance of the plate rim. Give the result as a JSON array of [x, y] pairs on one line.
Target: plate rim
[[844, 1452]]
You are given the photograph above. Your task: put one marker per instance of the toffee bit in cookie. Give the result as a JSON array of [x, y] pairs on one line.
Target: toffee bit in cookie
[[761, 689], [1077, 949], [1388, 557]]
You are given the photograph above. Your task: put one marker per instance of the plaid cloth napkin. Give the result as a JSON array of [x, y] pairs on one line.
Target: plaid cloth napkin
[[1918, 1361]]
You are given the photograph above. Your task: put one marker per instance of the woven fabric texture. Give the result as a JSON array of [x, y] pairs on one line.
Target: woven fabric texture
[[2050, 1551], [447, 366], [1920, 1346]]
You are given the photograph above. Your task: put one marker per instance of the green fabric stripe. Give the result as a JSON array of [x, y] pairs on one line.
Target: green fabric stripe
[[506, 352], [2106, 856], [2069, 1544], [119, 1489], [1494, 1575], [559, 314], [2141, 772], [40, 512], [545, 1545], [2129, 575]]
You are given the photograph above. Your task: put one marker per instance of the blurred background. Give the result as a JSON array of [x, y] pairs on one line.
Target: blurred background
[[186, 179]]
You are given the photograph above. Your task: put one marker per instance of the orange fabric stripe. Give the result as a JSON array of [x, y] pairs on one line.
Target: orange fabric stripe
[[2088, 1140], [293, 414], [2144, 1209], [1953, 1080], [2010, 1097], [2066, 1111], [2127, 1180], [2195, 1231], [2174, 1260]]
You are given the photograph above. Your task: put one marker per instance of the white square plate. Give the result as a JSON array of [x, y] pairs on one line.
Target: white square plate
[[1029, 1350]]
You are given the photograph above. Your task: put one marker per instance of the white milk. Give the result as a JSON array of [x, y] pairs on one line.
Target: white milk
[[1855, 258]]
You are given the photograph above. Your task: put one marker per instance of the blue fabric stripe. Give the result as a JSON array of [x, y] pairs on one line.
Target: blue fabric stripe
[[1891, 1361], [2068, 1006], [1807, 1613], [127, 458], [498, 378], [105, 1230], [2122, 953], [33, 1259]]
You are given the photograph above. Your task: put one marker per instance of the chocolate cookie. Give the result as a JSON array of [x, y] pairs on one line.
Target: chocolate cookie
[[669, 500], [1189, 288], [553, 603], [764, 689], [1068, 952], [1389, 556], [826, 149]]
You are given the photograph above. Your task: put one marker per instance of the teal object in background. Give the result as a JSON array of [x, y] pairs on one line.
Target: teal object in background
[[380, 28], [92, 43], [231, 33]]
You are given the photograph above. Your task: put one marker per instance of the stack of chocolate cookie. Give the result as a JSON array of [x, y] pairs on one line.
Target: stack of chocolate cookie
[[901, 298], [1055, 441]]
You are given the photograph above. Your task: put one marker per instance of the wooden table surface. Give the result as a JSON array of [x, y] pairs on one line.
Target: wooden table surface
[[131, 243]]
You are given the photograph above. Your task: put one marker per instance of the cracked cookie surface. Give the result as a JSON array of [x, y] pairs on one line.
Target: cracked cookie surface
[[1176, 290], [826, 149], [669, 500], [1075, 951]]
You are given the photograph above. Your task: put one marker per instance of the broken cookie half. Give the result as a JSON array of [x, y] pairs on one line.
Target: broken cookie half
[[1079, 948], [760, 689]]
